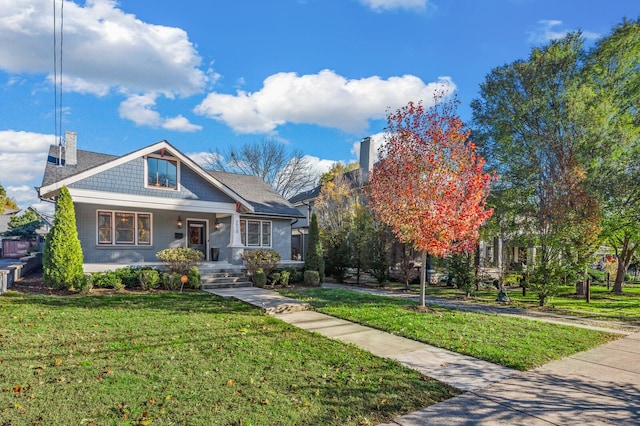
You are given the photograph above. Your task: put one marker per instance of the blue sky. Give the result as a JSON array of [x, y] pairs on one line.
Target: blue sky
[[316, 75]]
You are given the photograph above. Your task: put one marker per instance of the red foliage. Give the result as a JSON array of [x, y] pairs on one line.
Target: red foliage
[[430, 186]]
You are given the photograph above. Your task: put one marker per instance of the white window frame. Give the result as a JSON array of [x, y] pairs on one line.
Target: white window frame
[[244, 232], [147, 184], [136, 229]]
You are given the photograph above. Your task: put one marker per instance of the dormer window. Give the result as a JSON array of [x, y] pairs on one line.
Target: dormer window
[[162, 172]]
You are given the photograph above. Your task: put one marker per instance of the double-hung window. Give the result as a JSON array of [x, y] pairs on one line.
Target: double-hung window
[[124, 228], [255, 233]]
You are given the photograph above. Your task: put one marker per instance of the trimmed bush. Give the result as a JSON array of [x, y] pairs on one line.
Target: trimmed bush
[[274, 278], [180, 259], [148, 279], [62, 257], [128, 276], [284, 278], [171, 281], [83, 283], [193, 276], [265, 259], [259, 278], [311, 278], [109, 279]]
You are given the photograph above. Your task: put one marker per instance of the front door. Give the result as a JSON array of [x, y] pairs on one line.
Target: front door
[[196, 237]]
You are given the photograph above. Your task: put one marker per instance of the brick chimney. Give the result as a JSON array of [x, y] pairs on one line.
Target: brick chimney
[[366, 158], [70, 148]]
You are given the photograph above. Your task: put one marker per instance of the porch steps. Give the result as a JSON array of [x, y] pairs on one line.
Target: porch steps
[[213, 280]]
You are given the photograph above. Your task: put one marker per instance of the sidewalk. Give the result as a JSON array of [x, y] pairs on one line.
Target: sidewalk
[[598, 386]]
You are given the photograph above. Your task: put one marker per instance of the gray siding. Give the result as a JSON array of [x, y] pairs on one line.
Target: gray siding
[[129, 178], [163, 235]]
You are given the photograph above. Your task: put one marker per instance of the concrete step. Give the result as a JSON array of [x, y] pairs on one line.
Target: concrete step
[[224, 279], [216, 285]]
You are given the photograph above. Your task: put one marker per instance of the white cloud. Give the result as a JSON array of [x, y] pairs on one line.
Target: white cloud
[[325, 99], [180, 124], [23, 156], [319, 165], [140, 110], [104, 48], [550, 29], [381, 5]]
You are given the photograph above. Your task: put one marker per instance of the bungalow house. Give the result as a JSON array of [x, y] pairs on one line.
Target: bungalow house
[[130, 207]]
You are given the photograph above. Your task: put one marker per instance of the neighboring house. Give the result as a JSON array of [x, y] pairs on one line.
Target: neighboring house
[[492, 253], [130, 207], [305, 201], [15, 245], [5, 218]]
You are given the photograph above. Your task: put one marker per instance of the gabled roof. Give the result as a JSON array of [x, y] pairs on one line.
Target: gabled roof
[[261, 196], [54, 179], [250, 191], [311, 194], [86, 160]]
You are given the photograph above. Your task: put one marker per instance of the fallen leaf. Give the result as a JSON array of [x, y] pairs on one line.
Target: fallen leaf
[[229, 382]]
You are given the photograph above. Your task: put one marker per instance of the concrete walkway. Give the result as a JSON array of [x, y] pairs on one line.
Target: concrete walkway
[[598, 386]]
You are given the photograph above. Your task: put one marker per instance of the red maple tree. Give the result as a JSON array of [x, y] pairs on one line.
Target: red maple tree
[[430, 186]]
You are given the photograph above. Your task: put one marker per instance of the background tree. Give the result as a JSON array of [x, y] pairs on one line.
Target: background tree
[[336, 208], [314, 260], [378, 250], [607, 104], [526, 124], [338, 169], [24, 225], [288, 172], [430, 186], [6, 202], [361, 242], [62, 257]]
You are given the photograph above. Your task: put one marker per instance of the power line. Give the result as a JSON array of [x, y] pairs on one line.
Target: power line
[[57, 71]]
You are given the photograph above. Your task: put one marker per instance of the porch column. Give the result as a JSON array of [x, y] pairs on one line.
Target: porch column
[[236, 248]]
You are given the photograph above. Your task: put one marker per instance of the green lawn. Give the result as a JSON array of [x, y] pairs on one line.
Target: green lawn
[[603, 305], [188, 358], [512, 342]]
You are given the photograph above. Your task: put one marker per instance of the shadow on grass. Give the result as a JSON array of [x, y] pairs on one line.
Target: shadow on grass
[[170, 302]]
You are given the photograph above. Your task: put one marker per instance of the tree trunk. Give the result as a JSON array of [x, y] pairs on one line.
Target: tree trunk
[[617, 285], [423, 278]]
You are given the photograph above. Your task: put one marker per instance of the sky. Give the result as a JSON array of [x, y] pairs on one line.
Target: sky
[[315, 75]]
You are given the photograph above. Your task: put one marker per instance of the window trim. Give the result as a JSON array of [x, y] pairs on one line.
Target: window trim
[[136, 229], [166, 158], [244, 232]]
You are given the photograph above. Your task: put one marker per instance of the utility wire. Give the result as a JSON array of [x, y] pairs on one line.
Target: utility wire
[[57, 75]]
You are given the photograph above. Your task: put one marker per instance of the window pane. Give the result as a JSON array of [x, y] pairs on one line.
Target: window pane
[[144, 229], [153, 178], [171, 175], [243, 232], [266, 234], [253, 233], [104, 228], [124, 228], [162, 173]]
